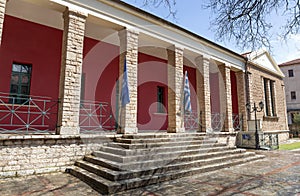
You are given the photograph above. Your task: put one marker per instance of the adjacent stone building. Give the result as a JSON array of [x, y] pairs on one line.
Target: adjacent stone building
[[62, 76], [291, 70]]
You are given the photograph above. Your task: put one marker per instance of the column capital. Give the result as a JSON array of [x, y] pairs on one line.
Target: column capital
[[175, 47], [199, 59], [69, 11]]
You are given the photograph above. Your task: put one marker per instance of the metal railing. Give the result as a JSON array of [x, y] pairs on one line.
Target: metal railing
[[269, 141], [27, 114], [96, 117], [217, 121], [191, 121], [237, 121]]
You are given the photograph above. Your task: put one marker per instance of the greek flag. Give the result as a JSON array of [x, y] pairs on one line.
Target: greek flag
[[187, 95], [125, 90]]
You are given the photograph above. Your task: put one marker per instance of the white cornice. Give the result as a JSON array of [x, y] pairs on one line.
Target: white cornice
[[129, 18]]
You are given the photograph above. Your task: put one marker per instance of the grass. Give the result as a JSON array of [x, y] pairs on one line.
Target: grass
[[291, 146]]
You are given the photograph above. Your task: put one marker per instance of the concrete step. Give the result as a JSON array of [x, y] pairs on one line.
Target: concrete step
[[160, 139], [163, 144], [154, 163], [163, 155], [163, 135], [141, 170], [201, 148], [105, 186]]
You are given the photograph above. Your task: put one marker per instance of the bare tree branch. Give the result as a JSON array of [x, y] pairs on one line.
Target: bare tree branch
[[246, 21], [168, 4]]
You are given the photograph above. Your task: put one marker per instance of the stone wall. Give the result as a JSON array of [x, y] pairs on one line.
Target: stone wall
[[270, 123], [2, 14], [36, 154], [70, 75]]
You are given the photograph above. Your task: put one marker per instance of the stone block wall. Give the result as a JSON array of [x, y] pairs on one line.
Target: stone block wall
[[71, 68], [2, 15], [226, 99], [270, 123], [175, 89], [203, 92], [129, 52], [241, 87], [28, 155]]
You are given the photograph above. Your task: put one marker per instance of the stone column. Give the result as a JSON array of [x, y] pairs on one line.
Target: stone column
[[241, 89], [203, 92], [175, 90], [70, 75], [2, 15], [226, 99], [129, 53]]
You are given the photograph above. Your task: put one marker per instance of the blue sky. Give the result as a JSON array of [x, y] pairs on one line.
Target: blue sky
[[194, 18]]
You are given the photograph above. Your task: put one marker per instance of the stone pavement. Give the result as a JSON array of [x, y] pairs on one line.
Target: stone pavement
[[277, 174]]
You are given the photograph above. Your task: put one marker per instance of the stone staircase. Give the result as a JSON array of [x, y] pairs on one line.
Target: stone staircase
[[133, 161]]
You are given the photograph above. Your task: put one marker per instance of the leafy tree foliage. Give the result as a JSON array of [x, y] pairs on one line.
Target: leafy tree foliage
[[297, 119]]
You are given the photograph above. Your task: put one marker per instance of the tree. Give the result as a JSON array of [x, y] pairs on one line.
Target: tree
[[247, 22], [296, 119]]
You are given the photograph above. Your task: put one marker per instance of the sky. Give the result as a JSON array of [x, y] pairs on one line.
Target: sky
[[191, 16]]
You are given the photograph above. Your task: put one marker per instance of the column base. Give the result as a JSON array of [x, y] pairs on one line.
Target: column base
[[68, 131], [176, 130], [127, 130]]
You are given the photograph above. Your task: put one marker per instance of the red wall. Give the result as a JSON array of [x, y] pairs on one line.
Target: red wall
[[152, 72], [234, 95], [31, 43]]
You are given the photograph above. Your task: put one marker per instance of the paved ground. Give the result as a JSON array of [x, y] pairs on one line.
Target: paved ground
[[277, 174]]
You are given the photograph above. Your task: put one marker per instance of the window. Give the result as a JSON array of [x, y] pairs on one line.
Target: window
[[293, 95], [291, 73], [160, 99], [269, 96], [266, 96], [20, 83]]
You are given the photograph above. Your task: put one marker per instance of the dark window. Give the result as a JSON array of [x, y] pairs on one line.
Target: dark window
[[266, 97], [293, 95], [272, 94], [160, 99], [20, 83], [291, 73]]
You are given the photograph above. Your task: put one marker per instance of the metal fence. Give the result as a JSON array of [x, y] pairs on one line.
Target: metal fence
[[96, 117], [217, 121], [191, 121], [237, 121], [268, 141], [27, 114]]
